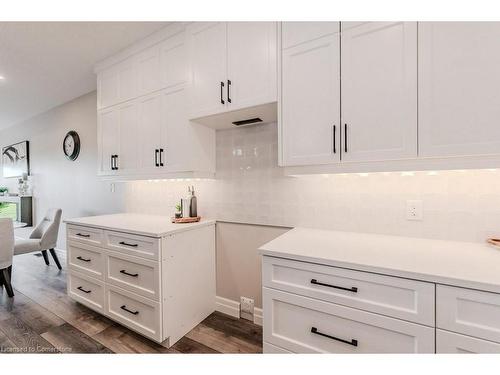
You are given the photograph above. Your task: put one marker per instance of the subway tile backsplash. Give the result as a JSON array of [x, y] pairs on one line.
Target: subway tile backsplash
[[251, 188]]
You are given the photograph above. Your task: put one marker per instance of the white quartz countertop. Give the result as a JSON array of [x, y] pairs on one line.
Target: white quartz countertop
[[464, 264], [145, 225]]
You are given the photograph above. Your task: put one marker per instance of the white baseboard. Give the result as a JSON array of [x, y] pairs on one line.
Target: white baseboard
[[257, 316], [232, 308], [227, 306]]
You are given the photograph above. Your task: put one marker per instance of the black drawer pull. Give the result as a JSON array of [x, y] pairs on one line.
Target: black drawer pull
[[82, 259], [129, 274], [316, 282], [221, 93], [83, 235], [353, 342], [83, 290], [124, 307], [128, 244]]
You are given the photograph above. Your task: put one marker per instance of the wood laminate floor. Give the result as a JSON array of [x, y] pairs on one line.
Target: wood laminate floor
[[41, 318]]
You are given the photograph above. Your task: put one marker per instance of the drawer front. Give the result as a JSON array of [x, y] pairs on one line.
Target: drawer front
[[139, 246], [136, 312], [468, 311], [91, 236], [273, 349], [400, 298], [304, 325], [86, 290], [137, 275], [86, 259], [449, 342]]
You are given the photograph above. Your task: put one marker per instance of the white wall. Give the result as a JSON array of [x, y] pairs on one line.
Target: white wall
[[58, 182], [251, 188]]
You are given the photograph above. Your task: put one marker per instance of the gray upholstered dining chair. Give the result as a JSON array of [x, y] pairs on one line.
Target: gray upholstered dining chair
[[6, 253], [43, 237]]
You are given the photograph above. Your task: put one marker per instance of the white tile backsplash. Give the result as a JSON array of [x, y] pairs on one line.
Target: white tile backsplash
[[251, 188]]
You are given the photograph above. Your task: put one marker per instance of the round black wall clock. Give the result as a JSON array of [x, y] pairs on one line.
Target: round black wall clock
[[71, 145]]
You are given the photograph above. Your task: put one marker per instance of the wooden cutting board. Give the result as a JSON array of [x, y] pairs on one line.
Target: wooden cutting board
[[184, 220]]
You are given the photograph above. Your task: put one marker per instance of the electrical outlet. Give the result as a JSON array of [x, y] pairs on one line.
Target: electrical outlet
[[112, 187], [414, 210], [246, 308]]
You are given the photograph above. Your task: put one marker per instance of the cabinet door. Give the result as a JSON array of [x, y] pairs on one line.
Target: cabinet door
[[379, 91], [107, 88], [128, 157], [127, 79], [148, 70], [150, 123], [173, 61], [176, 138], [208, 64], [459, 96], [108, 136], [450, 342], [252, 64], [310, 100]]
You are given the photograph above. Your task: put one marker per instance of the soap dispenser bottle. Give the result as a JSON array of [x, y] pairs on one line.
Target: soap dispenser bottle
[[194, 207]]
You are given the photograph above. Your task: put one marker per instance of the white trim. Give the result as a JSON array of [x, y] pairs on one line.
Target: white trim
[[257, 316], [227, 306]]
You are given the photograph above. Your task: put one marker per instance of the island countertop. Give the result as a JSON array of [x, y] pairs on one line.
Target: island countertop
[[140, 224], [464, 264]]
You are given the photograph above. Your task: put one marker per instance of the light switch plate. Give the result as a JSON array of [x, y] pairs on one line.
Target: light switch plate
[[414, 210]]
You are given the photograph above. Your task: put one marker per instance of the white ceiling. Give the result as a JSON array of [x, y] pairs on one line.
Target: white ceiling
[[46, 64]]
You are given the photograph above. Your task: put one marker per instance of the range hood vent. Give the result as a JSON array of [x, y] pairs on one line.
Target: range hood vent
[[254, 120]]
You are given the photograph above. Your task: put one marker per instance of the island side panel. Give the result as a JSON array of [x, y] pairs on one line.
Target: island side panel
[[188, 280]]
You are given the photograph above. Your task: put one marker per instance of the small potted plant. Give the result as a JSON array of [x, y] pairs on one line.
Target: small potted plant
[[178, 214], [3, 191]]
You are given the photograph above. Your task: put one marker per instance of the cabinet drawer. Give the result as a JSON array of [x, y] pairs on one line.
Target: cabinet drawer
[[400, 298], [468, 311], [273, 349], [449, 342], [86, 259], [136, 312], [140, 246], [134, 274], [86, 290], [91, 236], [304, 325]]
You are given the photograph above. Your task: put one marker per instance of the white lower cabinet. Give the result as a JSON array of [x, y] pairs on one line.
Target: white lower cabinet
[[304, 325], [449, 342], [317, 308], [141, 281]]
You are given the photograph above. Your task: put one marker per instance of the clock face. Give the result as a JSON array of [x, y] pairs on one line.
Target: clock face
[[71, 145]]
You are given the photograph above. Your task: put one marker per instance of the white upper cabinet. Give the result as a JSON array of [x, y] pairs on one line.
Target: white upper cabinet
[[310, 97], [459, 96], [143, 125], [251, 64], [379, 91], [208, 68], [233, 68]]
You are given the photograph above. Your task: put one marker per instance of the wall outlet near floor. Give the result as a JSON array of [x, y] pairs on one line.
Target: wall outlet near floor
[[246, 308], [414, 210]]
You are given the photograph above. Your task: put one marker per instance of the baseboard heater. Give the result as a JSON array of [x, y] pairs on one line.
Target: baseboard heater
[[249, 121]]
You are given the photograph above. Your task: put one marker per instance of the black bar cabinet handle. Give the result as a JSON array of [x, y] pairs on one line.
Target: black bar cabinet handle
[[112, 162], [83, 290], [156, 158], [83, 259], [128, 244], [161, 161], [116, 162], [334, 139], [129, 274], [83, 235], [124, 307], [316, 282], [353, 342], [345, 137], [228, 94], [222, 92]]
